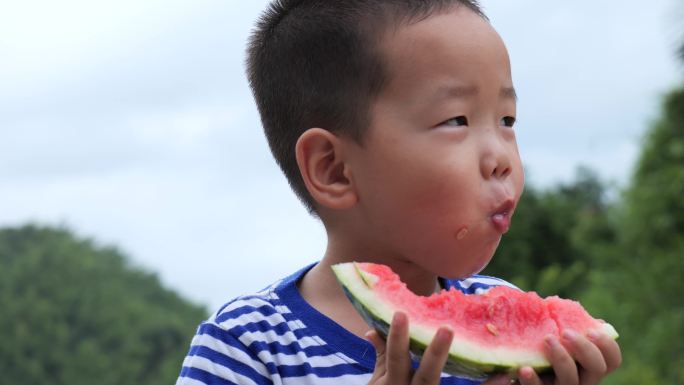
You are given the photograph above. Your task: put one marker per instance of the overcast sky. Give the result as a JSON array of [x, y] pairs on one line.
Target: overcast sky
[[131, 122]]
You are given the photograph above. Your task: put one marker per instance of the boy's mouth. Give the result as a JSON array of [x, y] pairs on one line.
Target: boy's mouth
[[501, 217]]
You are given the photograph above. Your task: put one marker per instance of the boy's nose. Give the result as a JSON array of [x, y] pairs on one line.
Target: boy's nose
[[495, 163]]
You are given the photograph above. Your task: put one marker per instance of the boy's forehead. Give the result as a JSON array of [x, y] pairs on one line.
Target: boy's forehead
[[459, 27], [448, 51]]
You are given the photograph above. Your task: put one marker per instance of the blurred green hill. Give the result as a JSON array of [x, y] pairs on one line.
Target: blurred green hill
[[73, 313]]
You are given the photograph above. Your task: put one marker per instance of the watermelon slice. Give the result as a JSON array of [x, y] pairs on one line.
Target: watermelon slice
[[495, 332]]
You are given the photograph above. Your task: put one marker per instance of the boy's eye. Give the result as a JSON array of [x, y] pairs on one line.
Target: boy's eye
[[508, 121], [457, 121]]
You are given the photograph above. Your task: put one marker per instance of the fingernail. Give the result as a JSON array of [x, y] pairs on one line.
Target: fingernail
[[550, 341], [526, 373], [570, 335], [594, 335], [445, 334], [397, 318]]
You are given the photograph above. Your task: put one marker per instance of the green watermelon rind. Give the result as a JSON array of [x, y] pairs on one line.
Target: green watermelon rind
[[378, 315], [466, 359], [454, 365]]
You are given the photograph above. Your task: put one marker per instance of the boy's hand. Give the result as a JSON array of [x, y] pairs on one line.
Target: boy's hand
[[393, 363], [577, 360]]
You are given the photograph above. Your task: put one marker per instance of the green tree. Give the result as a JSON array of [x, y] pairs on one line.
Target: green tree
[[623, 259], [642, 293], [76, 313]]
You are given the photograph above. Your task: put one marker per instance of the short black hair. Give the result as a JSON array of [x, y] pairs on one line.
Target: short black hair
[[316, 63]]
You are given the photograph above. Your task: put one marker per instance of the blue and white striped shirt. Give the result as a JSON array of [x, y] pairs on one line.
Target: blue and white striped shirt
[[275, 337]]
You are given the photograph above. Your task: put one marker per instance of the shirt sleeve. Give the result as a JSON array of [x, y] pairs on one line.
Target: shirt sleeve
[[217, 357]]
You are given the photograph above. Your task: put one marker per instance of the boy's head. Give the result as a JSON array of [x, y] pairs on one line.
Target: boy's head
[[317, 63], [405, 141]]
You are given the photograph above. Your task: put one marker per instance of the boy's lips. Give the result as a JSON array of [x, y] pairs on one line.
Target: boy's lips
[[501, 217]]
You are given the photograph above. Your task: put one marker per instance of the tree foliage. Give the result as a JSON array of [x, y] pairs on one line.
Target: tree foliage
[[76, 313], [643, 290], [623, 258]]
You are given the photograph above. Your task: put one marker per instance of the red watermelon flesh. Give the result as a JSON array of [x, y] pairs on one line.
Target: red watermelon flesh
[[497, 331]]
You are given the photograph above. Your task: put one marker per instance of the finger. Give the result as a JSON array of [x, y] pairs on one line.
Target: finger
[[608, 347], [563, 364], [527, 376], [434, 358], [380, 350], [398, 359], [587, 355]]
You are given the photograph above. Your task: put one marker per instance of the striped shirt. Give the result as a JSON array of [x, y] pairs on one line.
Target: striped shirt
[[275, 337]]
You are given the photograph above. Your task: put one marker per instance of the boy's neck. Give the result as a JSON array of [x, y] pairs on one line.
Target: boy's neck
[[417, 279], [320, 289]]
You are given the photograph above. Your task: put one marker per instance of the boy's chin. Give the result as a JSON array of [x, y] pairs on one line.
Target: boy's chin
[[479, 268], [461, 273]]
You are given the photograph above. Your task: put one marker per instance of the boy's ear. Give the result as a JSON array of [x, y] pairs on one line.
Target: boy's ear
[[326, 173]]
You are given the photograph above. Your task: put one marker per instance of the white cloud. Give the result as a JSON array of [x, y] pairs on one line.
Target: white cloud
[[190, 129]]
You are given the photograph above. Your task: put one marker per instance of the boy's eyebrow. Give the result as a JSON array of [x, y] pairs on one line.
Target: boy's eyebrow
[[457, 92], [509, 93]]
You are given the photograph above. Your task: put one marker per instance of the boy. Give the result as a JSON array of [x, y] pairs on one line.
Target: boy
[[393, 122]]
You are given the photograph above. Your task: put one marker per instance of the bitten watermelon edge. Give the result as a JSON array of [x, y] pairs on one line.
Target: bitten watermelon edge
[[495, 332]]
